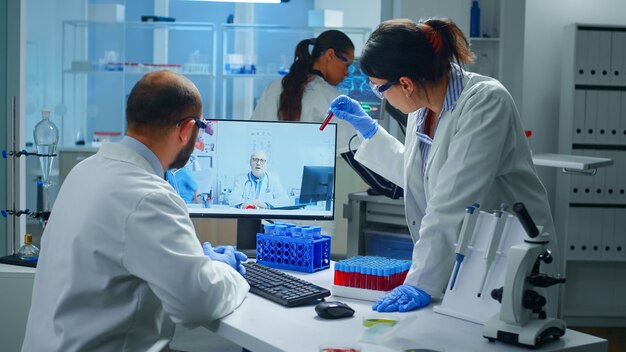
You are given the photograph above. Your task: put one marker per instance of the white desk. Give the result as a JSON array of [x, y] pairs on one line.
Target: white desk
[[261, 325]]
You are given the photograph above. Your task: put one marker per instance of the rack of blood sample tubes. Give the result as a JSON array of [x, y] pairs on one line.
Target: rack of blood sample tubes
[[373, 273]]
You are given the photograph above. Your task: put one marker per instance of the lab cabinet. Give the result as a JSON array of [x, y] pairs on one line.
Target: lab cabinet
[[246, 68], [102, 61], [590, 210], [377, 216]]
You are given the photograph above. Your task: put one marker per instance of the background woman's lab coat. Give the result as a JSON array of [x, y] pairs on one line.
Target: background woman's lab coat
[[479, 155], [271, 191], [121, 263]]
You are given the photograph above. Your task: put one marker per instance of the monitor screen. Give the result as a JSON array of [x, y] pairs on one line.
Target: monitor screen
[[356, 86], [260, 169]]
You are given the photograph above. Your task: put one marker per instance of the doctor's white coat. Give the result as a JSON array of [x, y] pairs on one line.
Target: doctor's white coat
[[120, 263], [479, 155]]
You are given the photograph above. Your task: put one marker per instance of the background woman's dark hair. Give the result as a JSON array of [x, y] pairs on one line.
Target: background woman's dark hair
[[290, 102], [158, 100], [402, 47]]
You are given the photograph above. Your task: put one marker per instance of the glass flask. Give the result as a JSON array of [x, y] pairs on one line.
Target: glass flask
[[46, 136], [28, 252]]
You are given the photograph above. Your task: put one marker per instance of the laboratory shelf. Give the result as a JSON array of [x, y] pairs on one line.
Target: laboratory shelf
[[590, 207], [570, 162], [102, 61]]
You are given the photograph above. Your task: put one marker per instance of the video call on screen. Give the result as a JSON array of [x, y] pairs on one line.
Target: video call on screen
[[260, 168]]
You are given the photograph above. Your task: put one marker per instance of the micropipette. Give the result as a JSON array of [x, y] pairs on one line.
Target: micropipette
[[493, 244], [467, 229], [326, 121]]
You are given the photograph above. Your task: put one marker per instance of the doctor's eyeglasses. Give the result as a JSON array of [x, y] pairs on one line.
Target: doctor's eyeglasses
[[379, 89], [258, 161]]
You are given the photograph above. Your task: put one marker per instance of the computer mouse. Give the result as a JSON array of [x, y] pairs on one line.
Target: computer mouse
[[333, 310]]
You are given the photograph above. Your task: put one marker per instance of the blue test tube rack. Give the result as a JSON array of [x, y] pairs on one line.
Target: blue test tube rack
[[295, 248]]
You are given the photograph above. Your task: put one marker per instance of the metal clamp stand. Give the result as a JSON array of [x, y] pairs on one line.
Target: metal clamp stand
[[15, 213]]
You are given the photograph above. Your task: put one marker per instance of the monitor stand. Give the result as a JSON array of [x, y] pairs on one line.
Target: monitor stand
[[247, 229]]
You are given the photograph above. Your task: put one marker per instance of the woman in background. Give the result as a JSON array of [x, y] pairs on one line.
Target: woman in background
[[305, 93]]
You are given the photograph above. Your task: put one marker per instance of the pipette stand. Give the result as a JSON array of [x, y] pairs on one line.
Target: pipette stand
[[522, 320]]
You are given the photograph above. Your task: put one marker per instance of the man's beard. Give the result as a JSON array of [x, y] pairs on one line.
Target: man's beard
[[183, 156]]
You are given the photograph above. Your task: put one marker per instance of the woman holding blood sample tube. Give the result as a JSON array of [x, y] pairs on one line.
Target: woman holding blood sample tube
[[464, 144]]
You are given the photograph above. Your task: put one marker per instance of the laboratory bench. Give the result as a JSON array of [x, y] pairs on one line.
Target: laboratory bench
[[262, 325]]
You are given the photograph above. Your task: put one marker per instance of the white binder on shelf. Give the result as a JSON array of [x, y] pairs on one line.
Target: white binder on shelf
[[620, 170], [578, 125], [618, 58], [586, 181], [581, 66], [619, 234], [586, 228], [591, 116], [594, 56], [602, 124], [572, 242], [608, 228], [610, 179], [613, 120], [595, 236], [463, 301], [622, 118], [598, 180], [604, 57]]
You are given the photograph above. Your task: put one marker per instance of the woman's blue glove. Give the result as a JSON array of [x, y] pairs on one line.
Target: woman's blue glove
[[351, 111], [403, 299], [227, 255]]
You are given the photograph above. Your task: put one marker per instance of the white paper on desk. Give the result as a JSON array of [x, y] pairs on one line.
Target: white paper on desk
[[463, 302]]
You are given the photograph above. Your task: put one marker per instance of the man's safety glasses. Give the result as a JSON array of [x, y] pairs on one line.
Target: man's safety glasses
[[203, 125], [200, 122], [379, 89]]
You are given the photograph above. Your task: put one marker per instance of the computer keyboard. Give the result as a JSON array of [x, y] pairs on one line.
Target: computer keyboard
[[284, 289]]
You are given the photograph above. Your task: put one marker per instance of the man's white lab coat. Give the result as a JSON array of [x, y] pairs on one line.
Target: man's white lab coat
[[120, 263]]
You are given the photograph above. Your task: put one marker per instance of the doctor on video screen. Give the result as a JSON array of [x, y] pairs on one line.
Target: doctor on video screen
[[258, 188]]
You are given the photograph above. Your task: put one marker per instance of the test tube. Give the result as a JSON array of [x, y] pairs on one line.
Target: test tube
[[269, 229]]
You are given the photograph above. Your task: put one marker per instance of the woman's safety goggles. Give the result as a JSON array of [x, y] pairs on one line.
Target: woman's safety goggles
[[379, 89]]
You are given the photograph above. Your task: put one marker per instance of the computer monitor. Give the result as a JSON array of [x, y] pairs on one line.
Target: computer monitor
[[318, 185], [253, 170], [356, 86]]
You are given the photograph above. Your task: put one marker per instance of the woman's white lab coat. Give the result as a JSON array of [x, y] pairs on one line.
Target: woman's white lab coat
[[120, 263], [479, 155], [318, 95], [271, 191]]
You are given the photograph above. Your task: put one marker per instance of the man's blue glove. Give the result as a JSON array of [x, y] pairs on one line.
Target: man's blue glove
[[403, 299], [351, 111], [227, 255]]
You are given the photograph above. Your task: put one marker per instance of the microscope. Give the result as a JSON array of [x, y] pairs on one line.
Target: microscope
[[522, 319]]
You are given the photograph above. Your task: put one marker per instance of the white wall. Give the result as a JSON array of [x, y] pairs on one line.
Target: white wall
[[543, 46]]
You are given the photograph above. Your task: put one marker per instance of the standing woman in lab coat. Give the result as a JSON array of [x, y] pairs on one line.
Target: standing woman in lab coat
[[305, 93], [464, 144]]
